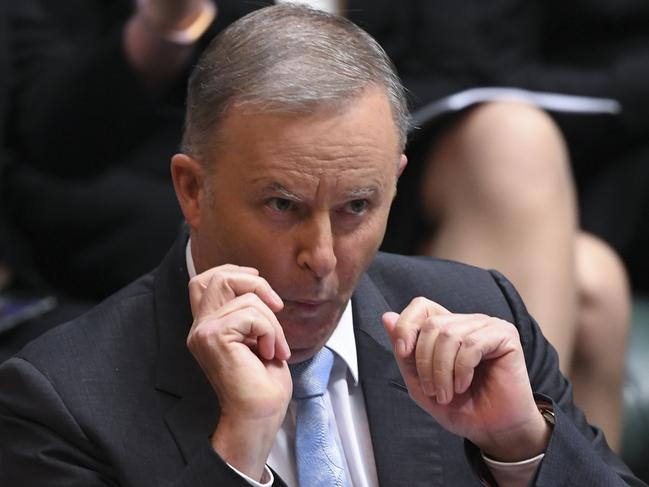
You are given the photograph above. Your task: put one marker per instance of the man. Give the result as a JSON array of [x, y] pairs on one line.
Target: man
[[295, 128]]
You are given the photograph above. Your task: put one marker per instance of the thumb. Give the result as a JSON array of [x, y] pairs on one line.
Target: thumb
[[389, 322], [405, 360]]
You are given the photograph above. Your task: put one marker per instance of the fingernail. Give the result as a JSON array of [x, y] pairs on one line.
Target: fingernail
[[441, 396], [276, 298], [428, 387]]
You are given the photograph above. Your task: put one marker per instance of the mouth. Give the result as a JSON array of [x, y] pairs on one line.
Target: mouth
[[305, 307]]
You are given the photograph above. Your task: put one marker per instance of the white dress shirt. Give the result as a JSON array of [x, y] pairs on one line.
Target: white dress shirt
[[346, 404]]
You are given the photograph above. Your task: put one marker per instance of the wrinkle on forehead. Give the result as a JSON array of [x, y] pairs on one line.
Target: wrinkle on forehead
[[358, 141], [303, 186]]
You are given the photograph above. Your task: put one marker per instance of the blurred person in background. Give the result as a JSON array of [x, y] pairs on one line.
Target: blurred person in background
[[107, 80]]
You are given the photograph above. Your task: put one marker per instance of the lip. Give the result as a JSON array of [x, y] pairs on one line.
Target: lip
[[305, 306], [310, 302]]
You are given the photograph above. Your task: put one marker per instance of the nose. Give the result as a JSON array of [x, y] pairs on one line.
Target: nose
[[316, 247]]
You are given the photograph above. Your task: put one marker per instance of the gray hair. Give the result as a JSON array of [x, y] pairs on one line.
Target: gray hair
[[286, 58]]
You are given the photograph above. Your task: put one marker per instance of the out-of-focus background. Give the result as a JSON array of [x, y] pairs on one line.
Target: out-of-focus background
[[531, 127]]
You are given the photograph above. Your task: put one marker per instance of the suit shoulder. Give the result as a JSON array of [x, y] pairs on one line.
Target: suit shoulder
[[421, 269], [458, 287], [123, 322]]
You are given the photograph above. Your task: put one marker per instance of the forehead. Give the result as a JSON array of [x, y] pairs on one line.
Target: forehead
[[359, 137]]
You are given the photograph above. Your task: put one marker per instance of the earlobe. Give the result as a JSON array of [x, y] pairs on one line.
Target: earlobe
[[188, 175], [402, 164]]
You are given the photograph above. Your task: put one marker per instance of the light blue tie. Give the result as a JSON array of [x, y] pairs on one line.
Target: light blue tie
[[319, 462]]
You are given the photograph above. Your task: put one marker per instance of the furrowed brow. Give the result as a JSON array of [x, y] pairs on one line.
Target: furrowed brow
[[279, 189], [360, 193]]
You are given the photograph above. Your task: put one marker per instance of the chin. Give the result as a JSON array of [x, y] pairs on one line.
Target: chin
[[298, 356], [307, 334], [305, 347]]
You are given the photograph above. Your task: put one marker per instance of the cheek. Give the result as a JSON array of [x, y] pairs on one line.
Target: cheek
[[356, 251], [272, 255]]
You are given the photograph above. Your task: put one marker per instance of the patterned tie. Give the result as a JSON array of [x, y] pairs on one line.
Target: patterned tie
[[319, 462]]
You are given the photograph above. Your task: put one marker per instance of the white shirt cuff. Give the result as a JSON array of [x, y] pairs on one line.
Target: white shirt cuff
[[267, 478], [514, 474]]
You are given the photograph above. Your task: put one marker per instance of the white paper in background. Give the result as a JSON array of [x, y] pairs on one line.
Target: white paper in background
[[549, 101], [331, 6]]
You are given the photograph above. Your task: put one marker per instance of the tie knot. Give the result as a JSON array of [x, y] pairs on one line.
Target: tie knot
[[310, 378]]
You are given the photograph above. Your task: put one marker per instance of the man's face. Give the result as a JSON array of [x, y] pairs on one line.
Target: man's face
[[304, 199]]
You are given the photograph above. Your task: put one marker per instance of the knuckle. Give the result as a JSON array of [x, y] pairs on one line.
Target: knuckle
[[462, 363], [251, 299], [262, 283], [419, 301], [202, 334], [263, 289], [469, 341], [255, 316], [447, 333], [423, 364], [512, 331], [482, 317], [221, 282], [440, 373], [194, 283], [429, 324]]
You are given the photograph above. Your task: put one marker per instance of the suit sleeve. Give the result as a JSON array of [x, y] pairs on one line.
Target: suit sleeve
[[43, 444], [578, 453]]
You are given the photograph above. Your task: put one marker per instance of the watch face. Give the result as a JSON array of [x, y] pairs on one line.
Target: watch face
[[547, 413]]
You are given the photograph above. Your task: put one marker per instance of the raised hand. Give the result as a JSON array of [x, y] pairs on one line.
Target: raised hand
[[241, 348], [469, 373], [171, 14], [161, 37]]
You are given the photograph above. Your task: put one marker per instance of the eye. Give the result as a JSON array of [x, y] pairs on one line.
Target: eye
[[281, 205], [357, 207]]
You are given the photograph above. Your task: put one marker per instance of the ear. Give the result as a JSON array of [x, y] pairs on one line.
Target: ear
[[402, 165], [188, 176]]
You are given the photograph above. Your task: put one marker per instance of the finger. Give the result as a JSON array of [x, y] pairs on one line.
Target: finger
[[210, 294], [452, 332], [278, 346], [389, 322], [424, 355], [199, 282], [405, 361], [245, 325], [437, 345], [410, 321], [487, 342]]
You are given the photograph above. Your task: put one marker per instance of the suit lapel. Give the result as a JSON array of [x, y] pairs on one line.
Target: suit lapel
[[193, 408], [192, 405], [406, 439]]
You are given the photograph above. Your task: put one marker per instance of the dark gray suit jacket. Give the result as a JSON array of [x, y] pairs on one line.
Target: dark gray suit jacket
[[115, 398]]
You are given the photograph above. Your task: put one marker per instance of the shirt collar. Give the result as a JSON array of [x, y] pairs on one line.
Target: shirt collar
[[189, 259], [341, 341]]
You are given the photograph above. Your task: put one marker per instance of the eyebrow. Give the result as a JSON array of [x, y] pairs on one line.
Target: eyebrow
[[362, 192], [278, 188], [357, 193]]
